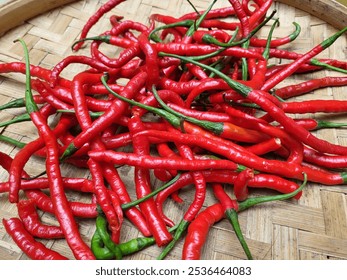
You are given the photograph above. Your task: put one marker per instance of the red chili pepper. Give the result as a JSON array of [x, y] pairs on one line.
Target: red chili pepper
[[241, 182], [315, 106], [242, 16], [31, 220], [195, 206], [116, 109], [198, 230], [32, 248], [308, 86], [152, 162], [109, 5], [62, 208], [36, 71], [142, 182], [79, 209], [133, 214], [267, 146], [291, 68]]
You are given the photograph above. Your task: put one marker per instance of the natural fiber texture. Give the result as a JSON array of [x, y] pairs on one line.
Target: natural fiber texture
[[315, 227]]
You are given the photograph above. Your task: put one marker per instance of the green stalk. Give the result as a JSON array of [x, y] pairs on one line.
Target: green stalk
[[93, 115], [215, 127], [12, 141], [240, 88], [296, 33], [183, 23], [158, 190], [176, 122], [182, 227], [262, 199], [232, 216], [328, 42], [17, 103], [17, 119], [324, 65], [29, 100], [211, 40], [198, 22], [327, 124]]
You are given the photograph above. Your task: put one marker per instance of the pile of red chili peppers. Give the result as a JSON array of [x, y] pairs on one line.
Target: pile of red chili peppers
[[192, 102]]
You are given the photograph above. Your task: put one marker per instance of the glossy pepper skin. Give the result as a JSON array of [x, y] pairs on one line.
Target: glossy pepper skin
[[62, 208], [32, 248]]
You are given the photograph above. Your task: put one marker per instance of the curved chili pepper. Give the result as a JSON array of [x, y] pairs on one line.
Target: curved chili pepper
[[102, 228], [31, 221], [133, 214], [100, 251], [32, 248], [79, 209], [109, 5], [116, 109], [198, 229], [142, 182], [63, 211], [241, 182], [195, 206]]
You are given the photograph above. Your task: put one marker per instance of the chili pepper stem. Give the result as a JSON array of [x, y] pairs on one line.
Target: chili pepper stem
[[158, 190], [17, 103], [21, 118], [257, 200], [232, 216], [182, 227], [12, 141]]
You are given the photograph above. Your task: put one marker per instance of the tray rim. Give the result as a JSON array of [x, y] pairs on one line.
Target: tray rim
[[16, 12], [27, 9]]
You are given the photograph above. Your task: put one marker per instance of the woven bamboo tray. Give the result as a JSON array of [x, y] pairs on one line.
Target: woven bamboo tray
[[315, 227]]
